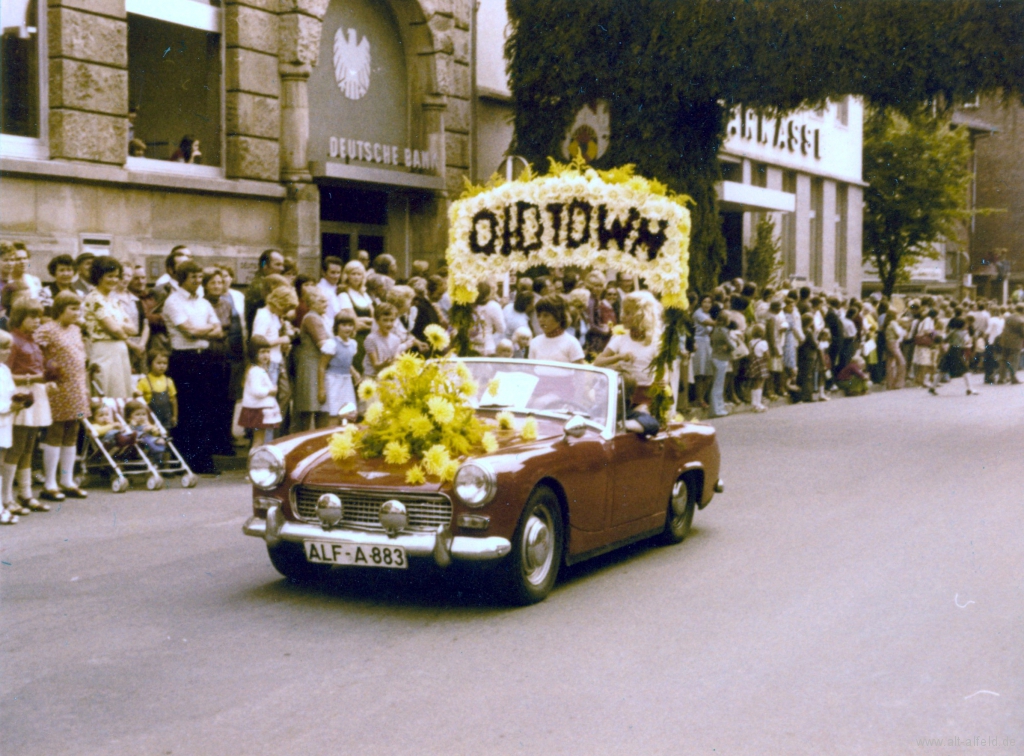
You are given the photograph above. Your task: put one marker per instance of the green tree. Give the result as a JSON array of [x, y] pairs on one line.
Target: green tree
[[918, 172], [671, 71], [764, 258]]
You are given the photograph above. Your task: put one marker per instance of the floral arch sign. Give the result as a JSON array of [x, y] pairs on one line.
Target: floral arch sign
[[573, 216]]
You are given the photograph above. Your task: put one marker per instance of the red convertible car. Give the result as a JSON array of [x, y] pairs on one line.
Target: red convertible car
[[585, 485]]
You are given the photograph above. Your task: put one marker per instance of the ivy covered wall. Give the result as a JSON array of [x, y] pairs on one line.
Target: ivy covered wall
[[671, 71]]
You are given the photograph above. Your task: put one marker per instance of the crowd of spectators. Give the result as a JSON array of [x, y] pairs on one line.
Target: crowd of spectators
[[215, 364]]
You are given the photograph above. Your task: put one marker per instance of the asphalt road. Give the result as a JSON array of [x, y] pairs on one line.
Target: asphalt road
[[856, 590]]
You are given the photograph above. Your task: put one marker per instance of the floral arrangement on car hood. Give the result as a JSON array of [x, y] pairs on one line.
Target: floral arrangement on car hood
[[420, 410]]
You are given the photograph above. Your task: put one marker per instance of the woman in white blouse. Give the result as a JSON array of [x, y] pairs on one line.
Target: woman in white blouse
[[355, 298]]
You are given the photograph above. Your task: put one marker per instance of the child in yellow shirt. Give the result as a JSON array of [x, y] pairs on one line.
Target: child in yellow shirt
[[159, 391]]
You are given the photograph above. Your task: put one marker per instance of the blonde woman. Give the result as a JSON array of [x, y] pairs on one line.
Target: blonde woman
[[271, 323], [354, 297], [632, 353]]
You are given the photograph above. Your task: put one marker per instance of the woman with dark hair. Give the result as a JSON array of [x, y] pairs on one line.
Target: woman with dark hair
[[108, 329], [62, 270]]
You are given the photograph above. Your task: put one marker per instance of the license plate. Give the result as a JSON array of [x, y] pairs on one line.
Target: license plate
[[356, 554]]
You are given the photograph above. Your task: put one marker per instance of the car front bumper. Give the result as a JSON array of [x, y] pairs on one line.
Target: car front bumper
[[440, 545]]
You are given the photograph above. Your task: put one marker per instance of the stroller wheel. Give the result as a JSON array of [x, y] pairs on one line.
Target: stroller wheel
[[154, 482], [119, 485], [189, 480]]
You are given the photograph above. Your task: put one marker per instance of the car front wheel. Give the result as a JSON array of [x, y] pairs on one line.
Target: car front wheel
[[290, 560], [680, 513], [532, 568]]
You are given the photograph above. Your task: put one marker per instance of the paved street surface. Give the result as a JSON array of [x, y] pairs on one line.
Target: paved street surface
[[856, 590]]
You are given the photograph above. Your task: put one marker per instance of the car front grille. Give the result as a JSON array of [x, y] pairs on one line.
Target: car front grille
[[361, 508]]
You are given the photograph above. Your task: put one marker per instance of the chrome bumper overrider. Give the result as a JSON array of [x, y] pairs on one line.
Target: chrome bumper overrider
[[440, 545]]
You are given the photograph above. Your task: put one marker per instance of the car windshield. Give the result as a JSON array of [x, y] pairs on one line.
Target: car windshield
[[541, 387]]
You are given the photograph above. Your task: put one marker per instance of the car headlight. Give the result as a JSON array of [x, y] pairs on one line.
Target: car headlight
[[475, 484], [266, 467]]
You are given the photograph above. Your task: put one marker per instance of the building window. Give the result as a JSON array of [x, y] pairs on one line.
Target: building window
[[732, 171], [174, 86], [759, 175], [843, 111], [22, 112], [842, 215], [817, 202], [788, 231]]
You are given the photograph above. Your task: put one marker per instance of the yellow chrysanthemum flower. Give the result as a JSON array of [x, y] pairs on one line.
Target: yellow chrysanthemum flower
[[529, 430], [408, 365], [396, 453], [618, 330], [441, 409], [463, 372], [469, 388], [374, 413], [506, 420], [367, 389], [489, 442], [493, 386], [437, 337], [420, 426], [414, 476], [677, 418], [342, 446], [448, 472], [435, 459], [387, 373]]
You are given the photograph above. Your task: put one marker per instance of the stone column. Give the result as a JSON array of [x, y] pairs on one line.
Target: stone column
[[88, 90], [251, 90], [298, 49]]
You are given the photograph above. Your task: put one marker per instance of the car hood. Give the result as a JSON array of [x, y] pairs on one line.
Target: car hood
[[316, 467]]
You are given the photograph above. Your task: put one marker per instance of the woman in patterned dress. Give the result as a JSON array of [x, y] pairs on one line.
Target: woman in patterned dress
[[108, 329], [64, 349]]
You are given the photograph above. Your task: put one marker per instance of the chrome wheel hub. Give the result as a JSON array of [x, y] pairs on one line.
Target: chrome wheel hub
[[537, 547]]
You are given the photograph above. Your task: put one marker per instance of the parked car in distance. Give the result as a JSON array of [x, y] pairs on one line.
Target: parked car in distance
[[584, 486]]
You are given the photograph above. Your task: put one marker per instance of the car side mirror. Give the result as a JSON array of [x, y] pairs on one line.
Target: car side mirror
[[575, 427]]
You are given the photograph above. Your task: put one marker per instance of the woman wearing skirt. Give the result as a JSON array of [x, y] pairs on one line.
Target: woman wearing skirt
[[107, 327], [953, 361]]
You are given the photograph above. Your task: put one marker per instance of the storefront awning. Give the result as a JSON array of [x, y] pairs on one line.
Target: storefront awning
[[734, 197], [378, 176]]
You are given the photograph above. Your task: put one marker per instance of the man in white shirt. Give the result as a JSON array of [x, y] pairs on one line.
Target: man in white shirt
[[331, 269], [554, 344], [992, 333], [196, 370]]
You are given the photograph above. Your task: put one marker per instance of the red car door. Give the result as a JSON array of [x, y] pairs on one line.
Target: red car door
[[635, 475]]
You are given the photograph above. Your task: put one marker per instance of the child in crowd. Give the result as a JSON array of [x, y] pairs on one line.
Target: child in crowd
[[504, 349], [158, 389], [148, 436], [521, 342], [757, 367], [10, 403], [824, 347], [384, 343], [853, 378], [28, 367], [336, 377], [260, 411], [111, 433]]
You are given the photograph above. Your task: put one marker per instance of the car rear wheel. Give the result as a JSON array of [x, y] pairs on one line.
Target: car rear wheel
[[680, 513], [531, 570], [290, 560]]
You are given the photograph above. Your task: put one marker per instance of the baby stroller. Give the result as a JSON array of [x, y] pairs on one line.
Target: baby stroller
[[172, 462], [123, 454]]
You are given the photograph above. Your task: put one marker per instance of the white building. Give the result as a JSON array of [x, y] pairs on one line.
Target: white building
[[804, 169]]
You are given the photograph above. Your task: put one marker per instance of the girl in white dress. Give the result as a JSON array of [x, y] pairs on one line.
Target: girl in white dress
[[260, 411], [337, 376]]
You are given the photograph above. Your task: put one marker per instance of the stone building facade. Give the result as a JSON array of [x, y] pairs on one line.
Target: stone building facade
[[316, 125]]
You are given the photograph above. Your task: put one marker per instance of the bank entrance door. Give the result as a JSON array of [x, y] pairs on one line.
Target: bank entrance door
[[351, 220]]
